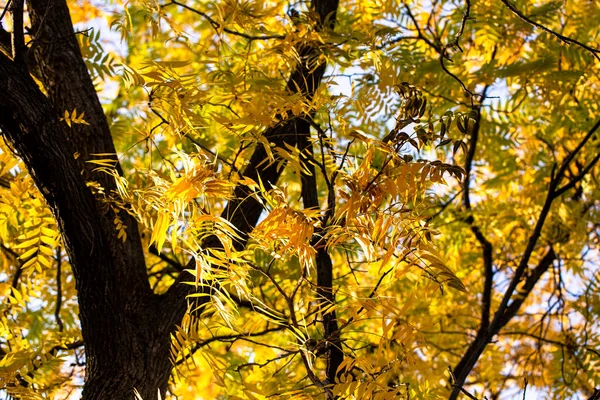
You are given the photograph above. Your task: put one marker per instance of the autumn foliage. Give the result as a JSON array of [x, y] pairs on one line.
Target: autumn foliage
[[264, 199]]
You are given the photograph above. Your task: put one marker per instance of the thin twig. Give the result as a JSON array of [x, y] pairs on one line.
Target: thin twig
[[595, 52], [455, 44], [579, 177], [443, 207], [573, 154], [217, 26], [505, 311], [220, 338], [4, 11]]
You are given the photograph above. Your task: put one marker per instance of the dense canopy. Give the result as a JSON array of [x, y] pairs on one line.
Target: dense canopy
[[251, 199]]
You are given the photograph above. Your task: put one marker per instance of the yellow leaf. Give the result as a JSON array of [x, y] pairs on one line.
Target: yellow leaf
[[159, 233]]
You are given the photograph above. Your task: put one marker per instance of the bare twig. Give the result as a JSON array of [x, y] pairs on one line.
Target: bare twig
[[442, 207], [443, 50], [595, 52], [218, 27], [565, 165], [4, 11], [164, 121], [455, 44], [530, 282], [579, 176], [38, 363], [555, 179], [228, 338], [550, 341]]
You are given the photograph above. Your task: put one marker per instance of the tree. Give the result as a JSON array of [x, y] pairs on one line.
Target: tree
[[247, 199]]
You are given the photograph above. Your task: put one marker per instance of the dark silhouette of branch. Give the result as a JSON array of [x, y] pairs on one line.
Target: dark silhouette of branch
[[507, 309], [19, 264], [173, 263], [455, 44], [576, 179], [442, 50], [18, 35], [229, 338], [243, 211], [324, 265], [530, 282], [567, 162], [397, 40], [550, 341], [420, 34], [218, 27], [4, 11], [486, 245], [458, 387], [442, 207], [595, 52], [37, 363], [4, 182], [554, 182]]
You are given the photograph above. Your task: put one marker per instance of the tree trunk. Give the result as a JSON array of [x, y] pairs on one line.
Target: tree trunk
[[137, 359]]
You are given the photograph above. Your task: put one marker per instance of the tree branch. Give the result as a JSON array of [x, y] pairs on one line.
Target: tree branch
[[576, 179], [173, 263], [485, 244], [6, 6], [504, 311], [18, 35], [324, 265], [554, 181], [218, 27], [485, 334], [222, 338], [565, 164], [455, 44], [565, 39], [6, 46], [15, 257], [530, 282]]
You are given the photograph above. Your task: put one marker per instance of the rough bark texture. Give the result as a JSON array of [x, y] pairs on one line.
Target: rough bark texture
[[125, 327], [115, 306]]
